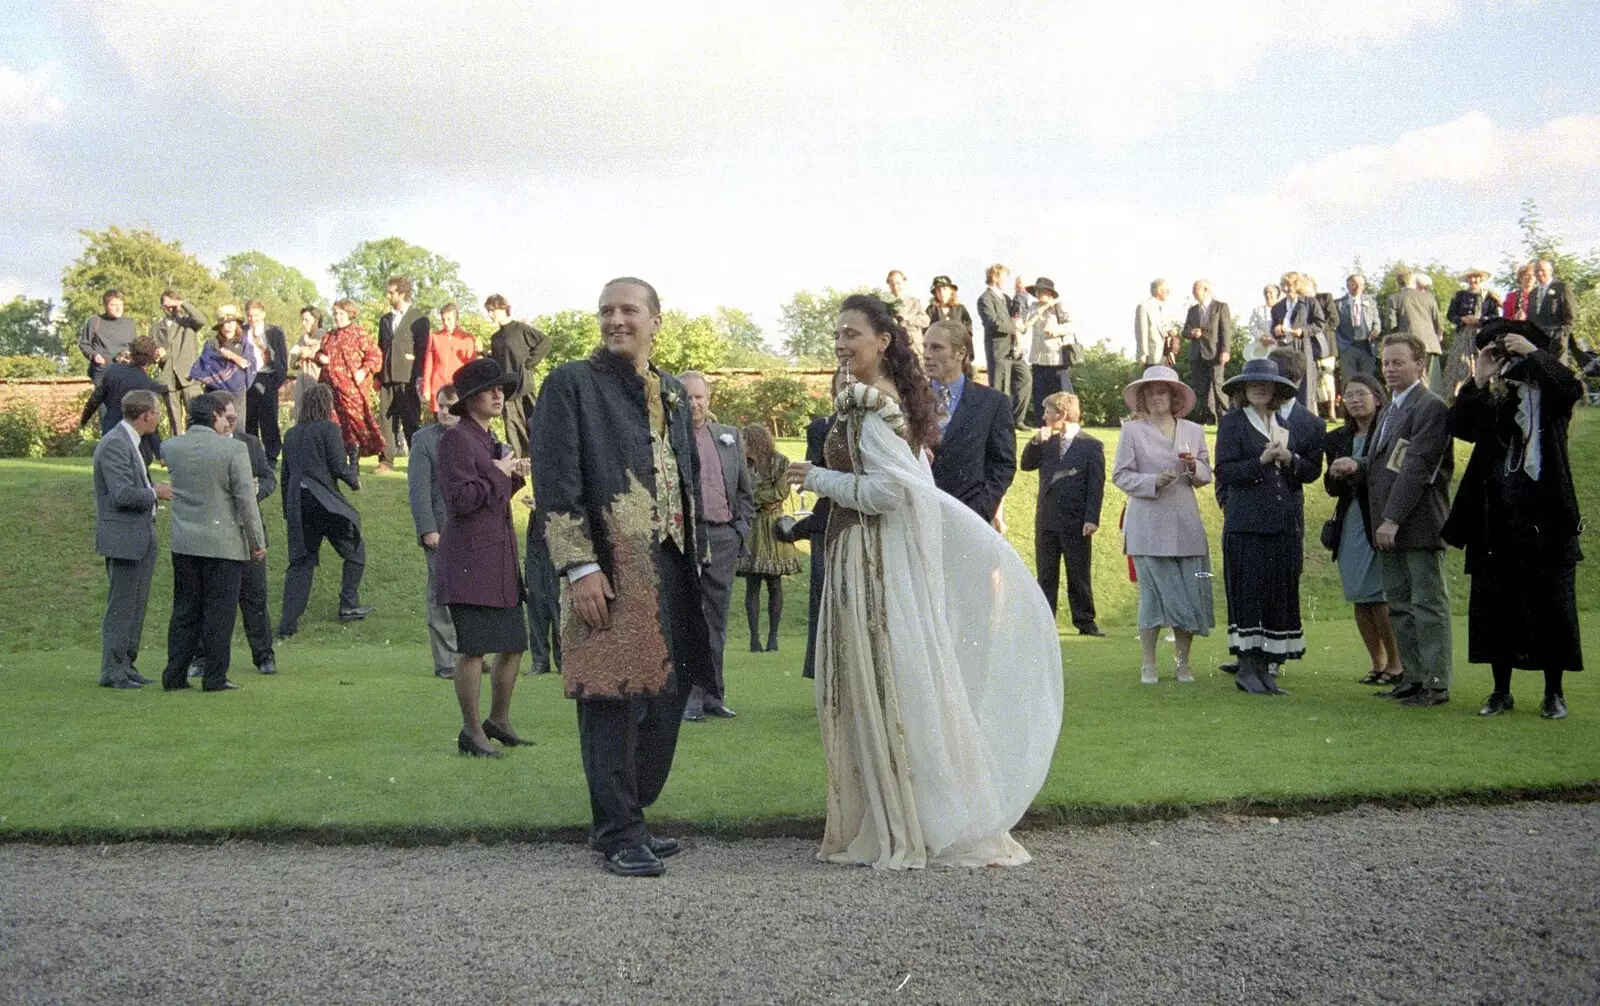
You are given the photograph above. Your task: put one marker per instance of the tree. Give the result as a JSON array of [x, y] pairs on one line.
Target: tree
[[363, 276], [808, 321], [141, 265], [284, 290], [686, 343], [26, 329], [738, 329], [573, 335]]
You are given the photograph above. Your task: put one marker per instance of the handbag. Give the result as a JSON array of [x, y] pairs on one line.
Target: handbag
[[1072, 354], [1330, 533]]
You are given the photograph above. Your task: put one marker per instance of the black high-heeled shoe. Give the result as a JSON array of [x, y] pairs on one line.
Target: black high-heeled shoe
[[509, 740], [467, 746]]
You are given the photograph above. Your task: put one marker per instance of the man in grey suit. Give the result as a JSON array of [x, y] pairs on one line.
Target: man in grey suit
[[216, 531], [1415, 311], [729, 498], [125, 533], [1356, 330], [427, 515], [1407, 471], [178, 334], [1554, 308], [403, 338], [253, 587]]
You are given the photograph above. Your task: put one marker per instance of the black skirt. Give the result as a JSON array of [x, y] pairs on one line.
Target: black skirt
[[1261, 574], [481, 629], [1523, 611]]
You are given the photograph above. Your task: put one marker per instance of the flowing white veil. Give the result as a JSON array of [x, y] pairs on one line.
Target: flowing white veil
[[977, 661]]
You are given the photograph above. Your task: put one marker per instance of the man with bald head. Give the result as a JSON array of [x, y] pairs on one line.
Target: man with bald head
[[1207, 329]]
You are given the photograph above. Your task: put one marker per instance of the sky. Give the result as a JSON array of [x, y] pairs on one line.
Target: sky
[[734, 157]]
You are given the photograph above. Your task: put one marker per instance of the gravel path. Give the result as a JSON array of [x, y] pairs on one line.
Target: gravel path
[[1452, 905]]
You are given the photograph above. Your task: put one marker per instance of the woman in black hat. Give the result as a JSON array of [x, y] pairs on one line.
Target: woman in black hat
[[1261, 551], [1516, 514], [477, 568], [1051, 345], [944, 306]]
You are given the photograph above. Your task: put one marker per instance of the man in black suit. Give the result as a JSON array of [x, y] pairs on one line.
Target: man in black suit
[[403, 338], [1407, 471], [1208, 328], [115, 381], [1008, 372], [977, 454], [253, 585], [1554, 308], [1072, 479], [261, 400], [518, 348]]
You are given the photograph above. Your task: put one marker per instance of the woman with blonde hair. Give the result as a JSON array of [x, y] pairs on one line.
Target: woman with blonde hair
[[1161, 458], [768, 558], [1262, 341]]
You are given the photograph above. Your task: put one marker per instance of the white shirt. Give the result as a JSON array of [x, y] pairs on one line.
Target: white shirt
[[1399, 398], [1071, 430]]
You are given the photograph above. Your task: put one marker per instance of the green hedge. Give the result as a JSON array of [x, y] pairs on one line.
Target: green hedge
[[29, 366]]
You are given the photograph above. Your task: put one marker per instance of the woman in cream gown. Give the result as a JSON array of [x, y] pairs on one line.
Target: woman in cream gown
[[939, 685]]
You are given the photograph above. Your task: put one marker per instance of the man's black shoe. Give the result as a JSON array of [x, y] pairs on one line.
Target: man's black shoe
[[638, 861], [124, 683], [446, 673], [722, 711], [1090, 630], [1427, 697], [664, 847], [226, 686], [1400, 691], [135, 676], [268, 667], [354, 614], [1232, 668]]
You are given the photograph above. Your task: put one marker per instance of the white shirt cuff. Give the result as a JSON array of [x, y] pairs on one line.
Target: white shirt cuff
[[577, 573]]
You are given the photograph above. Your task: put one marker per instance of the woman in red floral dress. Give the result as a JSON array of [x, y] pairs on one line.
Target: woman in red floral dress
[[349, 358]]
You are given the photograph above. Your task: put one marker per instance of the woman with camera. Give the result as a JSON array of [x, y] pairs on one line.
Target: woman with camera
[[1516, 514]]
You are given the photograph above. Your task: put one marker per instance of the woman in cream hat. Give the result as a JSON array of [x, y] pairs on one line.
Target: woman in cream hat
[[1161, 457], [224, 363], [1469, 309]]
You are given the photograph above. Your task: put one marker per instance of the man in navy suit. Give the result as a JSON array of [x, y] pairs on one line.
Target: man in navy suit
[[977, 455], [1072, 478]]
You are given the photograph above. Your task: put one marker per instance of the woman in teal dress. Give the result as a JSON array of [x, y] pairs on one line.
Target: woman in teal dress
[[767, 560], [1352, 532]]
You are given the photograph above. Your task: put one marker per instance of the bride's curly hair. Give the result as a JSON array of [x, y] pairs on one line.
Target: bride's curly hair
[[904, 368]]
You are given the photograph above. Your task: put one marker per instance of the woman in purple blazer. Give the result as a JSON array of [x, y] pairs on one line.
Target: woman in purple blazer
[[479, 573], [1161, 457]]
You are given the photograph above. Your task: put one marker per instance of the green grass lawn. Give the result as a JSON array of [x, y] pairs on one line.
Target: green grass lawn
[[355, 737]]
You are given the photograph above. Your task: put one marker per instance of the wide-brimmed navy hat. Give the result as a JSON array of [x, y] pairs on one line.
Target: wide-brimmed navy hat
[[1261, 371], [478, 375], [1494, 328]]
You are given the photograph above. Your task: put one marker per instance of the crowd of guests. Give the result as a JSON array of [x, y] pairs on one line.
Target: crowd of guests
[[646, 509]]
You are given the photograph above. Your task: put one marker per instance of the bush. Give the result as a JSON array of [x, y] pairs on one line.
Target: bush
[[781, 403], [1098, 382], [22, 430], [29, 366]]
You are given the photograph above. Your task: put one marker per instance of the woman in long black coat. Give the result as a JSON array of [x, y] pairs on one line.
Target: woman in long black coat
[[1516, 513]]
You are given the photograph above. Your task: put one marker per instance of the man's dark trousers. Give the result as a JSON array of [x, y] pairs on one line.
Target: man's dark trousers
[[716, 587], [628, 744], [205, 602], [544, 609], [1205, 378], [1049, 546], [261, 419], [400, 416]]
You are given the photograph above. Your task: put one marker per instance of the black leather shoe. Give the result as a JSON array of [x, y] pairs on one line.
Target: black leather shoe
[[1400, 691], [174, 688], [772, 644], [268, 667], [1497, 703], [226, 686], [722, 711], [197, 670], [689, 717], [125, 683], [1232, 668], [467, 746], [1091, 630], [1554, 707], [664, 847], [135, 676], [354, 614], [536, 670], [510, 740], [638, 861], [1427, 697], [284, 634], [447, 673]]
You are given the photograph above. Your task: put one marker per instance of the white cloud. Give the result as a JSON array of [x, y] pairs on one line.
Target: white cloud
[[638, 79], [27, 97]]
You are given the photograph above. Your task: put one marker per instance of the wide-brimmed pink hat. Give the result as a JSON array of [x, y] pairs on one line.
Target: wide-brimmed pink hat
[[1182, 394]]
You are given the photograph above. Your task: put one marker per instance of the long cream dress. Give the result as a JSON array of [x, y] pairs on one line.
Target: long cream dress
[[939, 683]]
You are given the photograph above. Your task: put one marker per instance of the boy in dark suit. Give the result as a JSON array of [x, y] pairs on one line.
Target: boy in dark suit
[[1072, 477]]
